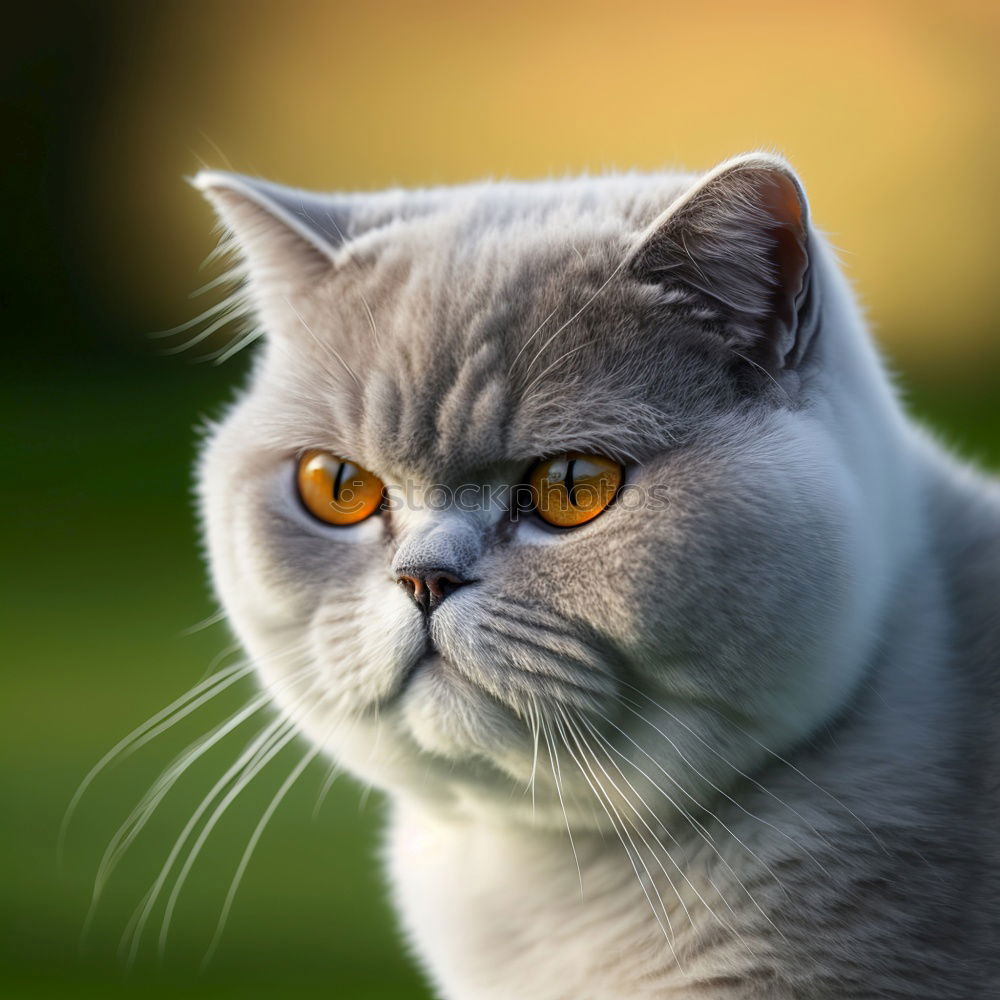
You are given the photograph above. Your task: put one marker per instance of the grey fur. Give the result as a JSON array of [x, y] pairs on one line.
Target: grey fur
[[788, 671]]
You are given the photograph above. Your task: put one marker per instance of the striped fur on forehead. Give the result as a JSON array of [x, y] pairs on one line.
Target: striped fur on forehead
[[490, 323], [564, 350]]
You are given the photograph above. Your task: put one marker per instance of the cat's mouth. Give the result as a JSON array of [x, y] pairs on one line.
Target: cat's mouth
[[429, 660], [434, 668]]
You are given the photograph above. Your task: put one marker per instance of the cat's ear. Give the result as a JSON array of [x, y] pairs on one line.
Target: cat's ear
[[739, 242], [285, 236]]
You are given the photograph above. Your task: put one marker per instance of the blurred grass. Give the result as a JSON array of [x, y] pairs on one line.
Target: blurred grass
[[103, 579]]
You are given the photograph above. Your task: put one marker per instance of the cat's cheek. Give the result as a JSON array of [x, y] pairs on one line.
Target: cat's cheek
[[248, 533], [366, 641], [280, 560]]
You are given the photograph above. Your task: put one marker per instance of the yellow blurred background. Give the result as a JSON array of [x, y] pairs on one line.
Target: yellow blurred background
[[887, 109]]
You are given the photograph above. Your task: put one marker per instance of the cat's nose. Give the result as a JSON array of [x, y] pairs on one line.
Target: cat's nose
[[429, 587]]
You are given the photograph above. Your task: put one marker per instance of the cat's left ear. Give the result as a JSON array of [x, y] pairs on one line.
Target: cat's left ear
[[286, 237], [739, 242]]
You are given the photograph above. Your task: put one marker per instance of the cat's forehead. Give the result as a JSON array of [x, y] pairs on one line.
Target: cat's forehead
[[501, 327], [515, 208]]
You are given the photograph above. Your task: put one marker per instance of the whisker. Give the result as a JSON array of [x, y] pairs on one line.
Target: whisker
[[761, 369], [371, 317], [271, 734], [557, 778], [757, 784], [128, 744], [680, 871], [357, 266], [604, 284], [652, 832], [712, 846], [805, 777], [328, 348], [218, 149], [238, 311], [548, 368], [771, 826], [226, 247], [140, 816], [533, 717], [263, 756], [696, 825], [227, 304], [213, 664], [260, 746], [251, 847], [686, 793], [618, 825], [254, 767], [332, 774], [215, 618], [534, 334], [234, 347], [228, 277]]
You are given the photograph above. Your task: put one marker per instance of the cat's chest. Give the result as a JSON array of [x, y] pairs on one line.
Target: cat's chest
[[495, 917]]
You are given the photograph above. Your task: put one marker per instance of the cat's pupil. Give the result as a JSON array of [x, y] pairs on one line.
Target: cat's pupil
[[338, 481], [570, 483]]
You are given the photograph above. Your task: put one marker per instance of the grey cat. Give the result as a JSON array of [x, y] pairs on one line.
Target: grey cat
[[582, 519]]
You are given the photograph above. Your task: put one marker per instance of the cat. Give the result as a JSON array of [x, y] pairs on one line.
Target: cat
[[582, 519]]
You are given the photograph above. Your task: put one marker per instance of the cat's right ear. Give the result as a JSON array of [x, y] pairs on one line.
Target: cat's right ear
[[285, 237]]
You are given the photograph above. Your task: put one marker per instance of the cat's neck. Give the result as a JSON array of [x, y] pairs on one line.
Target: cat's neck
[[500, 910]]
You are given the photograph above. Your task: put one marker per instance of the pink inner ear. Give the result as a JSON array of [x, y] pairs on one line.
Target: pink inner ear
[[740, 238], [780, 197]]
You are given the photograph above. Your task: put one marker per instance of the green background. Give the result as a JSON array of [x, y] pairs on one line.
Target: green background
[[102, 576]]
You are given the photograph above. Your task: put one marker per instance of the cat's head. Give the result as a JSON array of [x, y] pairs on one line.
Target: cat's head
[[669, 359]]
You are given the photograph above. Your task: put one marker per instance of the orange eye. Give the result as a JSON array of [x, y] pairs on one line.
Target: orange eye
[[337, 491], [572, 489]]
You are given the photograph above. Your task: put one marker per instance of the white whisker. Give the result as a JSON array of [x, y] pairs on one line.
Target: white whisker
[[586, 305], [712, 846], [247, 760], [271, 734], [251, 847], [328, 348], [140, 816], [747, 777], [579, 736], [557, 778], [216, 618], [332, 774], [142, 734], [263, 757], [680, 871], [221, 356], [631, 853]]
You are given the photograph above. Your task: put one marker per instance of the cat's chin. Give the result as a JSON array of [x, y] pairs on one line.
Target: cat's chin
[[447, 715]]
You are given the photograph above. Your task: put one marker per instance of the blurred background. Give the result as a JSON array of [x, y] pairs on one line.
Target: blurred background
[[888, 110]]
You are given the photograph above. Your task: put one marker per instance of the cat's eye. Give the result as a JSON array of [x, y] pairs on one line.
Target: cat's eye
[[574, 488], [337, 491]]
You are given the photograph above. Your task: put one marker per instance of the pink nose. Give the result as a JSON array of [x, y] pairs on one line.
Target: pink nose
[[429, 587]]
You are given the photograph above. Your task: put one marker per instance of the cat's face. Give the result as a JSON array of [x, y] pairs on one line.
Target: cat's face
[[446, 342]]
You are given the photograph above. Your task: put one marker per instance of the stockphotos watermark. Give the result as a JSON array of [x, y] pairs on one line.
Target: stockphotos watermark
[[515, 501]]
